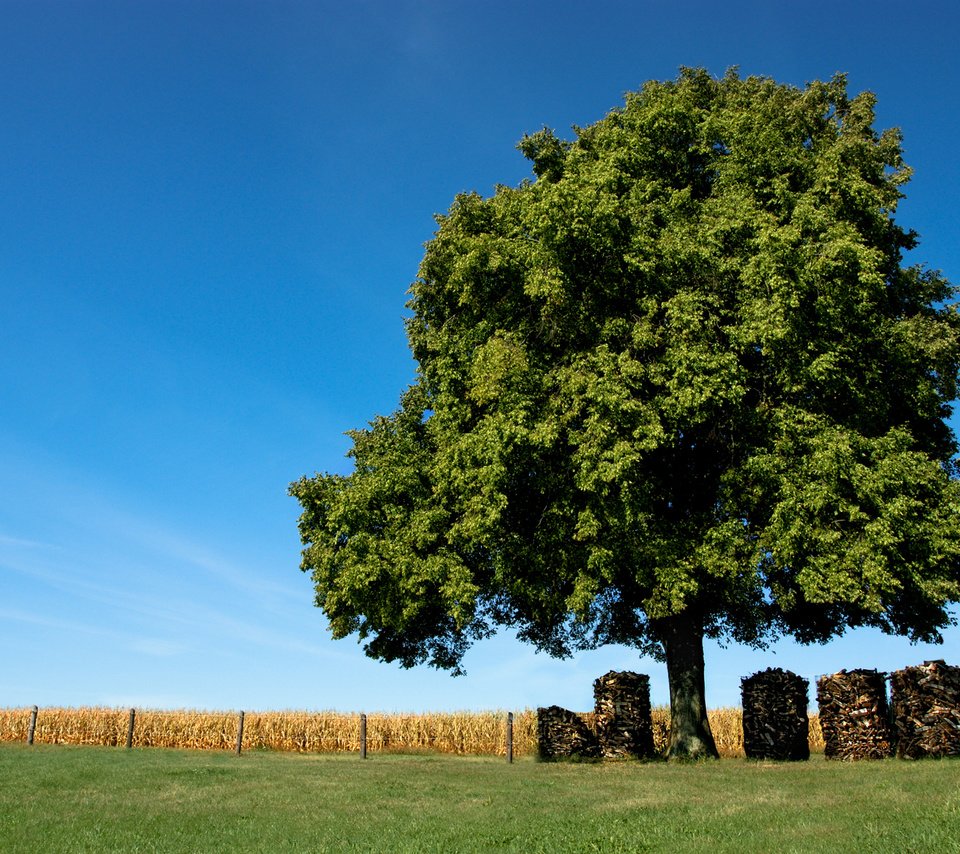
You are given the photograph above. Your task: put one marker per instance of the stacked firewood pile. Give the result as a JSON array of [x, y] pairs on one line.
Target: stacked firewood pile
[[926, 709], [775, 722], [854, 715], [622, 714], [563, 734]]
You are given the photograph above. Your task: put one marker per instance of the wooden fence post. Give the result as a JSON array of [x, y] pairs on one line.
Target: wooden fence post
[[133, 716], [240, 735], [363, 736], [510, 737], [33, 725]]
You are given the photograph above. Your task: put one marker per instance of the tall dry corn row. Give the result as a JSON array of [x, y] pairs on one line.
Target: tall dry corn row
[[474, 733]]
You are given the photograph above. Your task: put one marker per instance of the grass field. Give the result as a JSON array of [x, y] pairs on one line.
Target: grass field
[[86, 799]]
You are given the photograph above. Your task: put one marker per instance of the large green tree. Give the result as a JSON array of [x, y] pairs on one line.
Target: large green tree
[[681, 385]]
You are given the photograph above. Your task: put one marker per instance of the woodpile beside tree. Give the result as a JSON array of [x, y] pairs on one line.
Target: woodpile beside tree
[[926, 710], [854, 715], [562, 734], [622, 713], [775, 722]]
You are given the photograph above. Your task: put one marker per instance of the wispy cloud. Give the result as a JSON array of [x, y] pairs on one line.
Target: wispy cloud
[[19, 542], [192, 617], [171, 544], [103, 520], [47, 622], [159, 648], [156, 647]]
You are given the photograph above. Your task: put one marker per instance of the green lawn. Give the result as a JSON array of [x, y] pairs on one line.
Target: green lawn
[[107, 799]]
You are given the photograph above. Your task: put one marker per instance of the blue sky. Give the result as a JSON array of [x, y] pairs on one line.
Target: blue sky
[[210, 213]]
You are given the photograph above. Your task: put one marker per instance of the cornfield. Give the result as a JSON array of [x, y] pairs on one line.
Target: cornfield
[[478, 733]]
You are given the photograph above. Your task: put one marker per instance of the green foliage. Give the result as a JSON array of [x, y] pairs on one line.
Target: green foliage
[[683, 372]]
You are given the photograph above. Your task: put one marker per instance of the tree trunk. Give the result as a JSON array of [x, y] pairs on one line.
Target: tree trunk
[[690, 735]]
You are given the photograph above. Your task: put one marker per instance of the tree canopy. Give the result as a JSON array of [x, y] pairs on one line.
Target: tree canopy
[[680, 384]]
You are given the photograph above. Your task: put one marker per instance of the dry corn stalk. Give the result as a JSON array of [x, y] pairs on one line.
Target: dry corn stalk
[[480, 733]]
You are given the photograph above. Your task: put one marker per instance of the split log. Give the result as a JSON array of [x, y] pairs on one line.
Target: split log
[[854, 715], [926, 710], [775, 722]]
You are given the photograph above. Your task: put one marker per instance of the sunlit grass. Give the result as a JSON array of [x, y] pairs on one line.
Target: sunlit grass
[[78, 799]]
